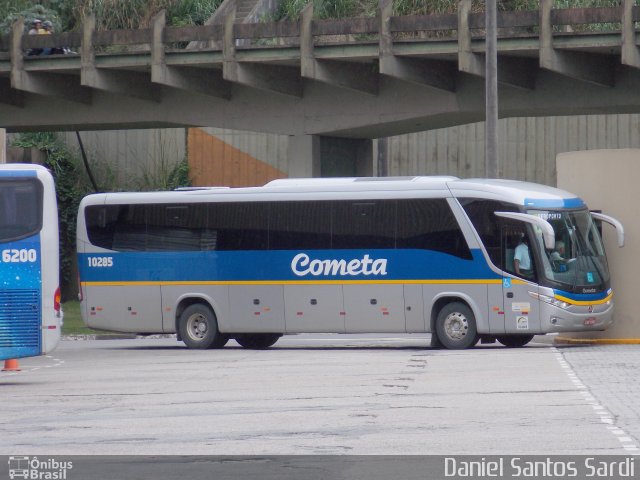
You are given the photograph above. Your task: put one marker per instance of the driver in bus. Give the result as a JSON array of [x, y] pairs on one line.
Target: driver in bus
[[522, 258]]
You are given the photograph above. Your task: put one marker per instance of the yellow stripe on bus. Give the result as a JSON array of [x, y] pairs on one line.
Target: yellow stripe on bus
[[581, 302]]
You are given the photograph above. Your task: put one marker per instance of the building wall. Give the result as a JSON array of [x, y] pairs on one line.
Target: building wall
[[130, 158], [235, 159], [527, 146], [608, 180]]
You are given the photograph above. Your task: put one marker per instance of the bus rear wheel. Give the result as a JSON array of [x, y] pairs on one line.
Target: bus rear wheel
[[514, 341], [258, 340], [198, 328], [456, 326]]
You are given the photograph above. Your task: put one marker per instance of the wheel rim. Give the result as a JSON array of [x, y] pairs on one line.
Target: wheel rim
[[197, 327], [456, 326]]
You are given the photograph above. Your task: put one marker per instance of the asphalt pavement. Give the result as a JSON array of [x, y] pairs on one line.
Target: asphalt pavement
[[322, 395]]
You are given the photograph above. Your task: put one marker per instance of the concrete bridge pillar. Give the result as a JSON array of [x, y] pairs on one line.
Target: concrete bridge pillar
[[304, 156]]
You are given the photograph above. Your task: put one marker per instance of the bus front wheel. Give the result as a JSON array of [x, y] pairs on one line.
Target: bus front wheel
[[198, 328], [456, 326], [258, 340], [514, 341]]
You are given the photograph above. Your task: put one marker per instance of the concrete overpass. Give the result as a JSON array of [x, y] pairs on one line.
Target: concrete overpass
[[359, 78]]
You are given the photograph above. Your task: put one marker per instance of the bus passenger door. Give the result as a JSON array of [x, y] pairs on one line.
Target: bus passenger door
[[374, 308], [521, 309]]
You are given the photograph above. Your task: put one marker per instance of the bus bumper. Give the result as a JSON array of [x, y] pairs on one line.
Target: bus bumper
[[575, 318]]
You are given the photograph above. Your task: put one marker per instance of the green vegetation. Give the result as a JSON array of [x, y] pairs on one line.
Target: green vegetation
[[67, 15], [290, 9], [73, 324], [130, 14]]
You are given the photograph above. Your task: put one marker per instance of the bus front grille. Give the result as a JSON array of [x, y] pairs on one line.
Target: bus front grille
[[20, 319]]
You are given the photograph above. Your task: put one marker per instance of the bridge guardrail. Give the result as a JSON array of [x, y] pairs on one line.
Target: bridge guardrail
[[348, 30]]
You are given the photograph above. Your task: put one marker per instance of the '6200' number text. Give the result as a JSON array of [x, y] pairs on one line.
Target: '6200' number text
[[23, 255]]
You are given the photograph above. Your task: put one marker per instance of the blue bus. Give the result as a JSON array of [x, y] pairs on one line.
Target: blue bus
[[30, 313], [466, 260]]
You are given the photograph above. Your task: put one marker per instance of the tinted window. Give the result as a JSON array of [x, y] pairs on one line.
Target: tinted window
[[300, 225], [20, 208], [239, 226], [153, 227], [178, 227], [489, 227], [364, 224], [101, 222], [429, 224], [130, 232]]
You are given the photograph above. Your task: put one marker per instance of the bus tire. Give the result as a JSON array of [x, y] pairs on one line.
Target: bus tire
[[198, 328], [514, 341], [258, 341], [456, 326]]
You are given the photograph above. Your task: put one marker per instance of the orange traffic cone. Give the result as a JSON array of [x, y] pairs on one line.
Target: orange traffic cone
[[11, 365]]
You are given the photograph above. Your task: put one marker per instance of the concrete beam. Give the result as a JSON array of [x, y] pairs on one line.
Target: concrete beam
[[586, 67], [430, 73], [630, 50], [129, 83], [512, 71], [272, 78], [359, 77], [206, 81], [9, 95]]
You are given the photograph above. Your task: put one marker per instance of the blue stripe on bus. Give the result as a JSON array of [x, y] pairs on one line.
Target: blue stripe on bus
[[554, 203], [276, 265]]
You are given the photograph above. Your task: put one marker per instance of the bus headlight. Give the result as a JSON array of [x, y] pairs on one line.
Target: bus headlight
[[550, 300]]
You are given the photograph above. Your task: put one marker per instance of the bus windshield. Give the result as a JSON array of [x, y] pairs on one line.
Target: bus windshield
[[578, 262]]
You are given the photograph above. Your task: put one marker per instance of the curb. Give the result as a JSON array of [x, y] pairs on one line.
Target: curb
[[595, 341], [123, 336]]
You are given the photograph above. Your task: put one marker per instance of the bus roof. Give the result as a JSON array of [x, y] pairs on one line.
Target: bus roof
[[527, 194]]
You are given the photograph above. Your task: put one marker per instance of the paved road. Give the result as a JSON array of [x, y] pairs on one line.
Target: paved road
[[321, 394]]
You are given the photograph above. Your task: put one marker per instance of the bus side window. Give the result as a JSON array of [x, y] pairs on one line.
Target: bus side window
[[481, 213], [363, 224], [429, 224], [300, 225], [239, 226]]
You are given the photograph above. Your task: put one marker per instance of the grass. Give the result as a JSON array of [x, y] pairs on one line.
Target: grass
[[73, 324]]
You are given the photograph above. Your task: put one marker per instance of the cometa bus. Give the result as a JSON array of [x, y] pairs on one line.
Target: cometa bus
[[345, 255]]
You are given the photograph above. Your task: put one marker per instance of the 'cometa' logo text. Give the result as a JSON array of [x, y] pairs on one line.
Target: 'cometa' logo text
[[303, 265]]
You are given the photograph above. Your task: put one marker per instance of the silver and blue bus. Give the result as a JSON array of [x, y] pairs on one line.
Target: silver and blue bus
[[345, 255], [30, 313]]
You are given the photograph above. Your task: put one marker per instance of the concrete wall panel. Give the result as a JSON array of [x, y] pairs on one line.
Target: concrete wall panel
[[608, 180]]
